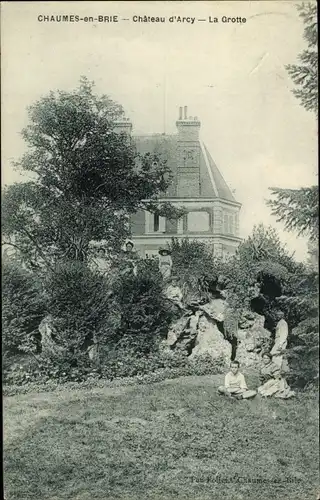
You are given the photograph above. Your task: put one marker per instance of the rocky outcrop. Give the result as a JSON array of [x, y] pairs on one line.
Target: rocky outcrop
[[204, 329], [196, 332], [211, 341], [252, 338], [176, 330], [174, 294], [188, 337]]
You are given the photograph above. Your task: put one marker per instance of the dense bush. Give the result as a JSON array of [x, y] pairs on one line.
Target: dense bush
[[195, 268], [121, 311], [78, 299], [23, 308], [145, 313]]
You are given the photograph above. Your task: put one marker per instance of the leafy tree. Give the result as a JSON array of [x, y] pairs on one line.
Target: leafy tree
[[303, 353], [264, 244], [298, 209], [87, 179], [305, 74], [313, 255]]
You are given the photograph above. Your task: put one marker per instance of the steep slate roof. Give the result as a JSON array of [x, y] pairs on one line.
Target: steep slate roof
[[212, 183]]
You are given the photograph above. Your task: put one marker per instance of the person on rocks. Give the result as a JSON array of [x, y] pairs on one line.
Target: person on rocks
[[235, 384], [165, 263], [174, 293], [131, 258], [272, 381], [280, 341]]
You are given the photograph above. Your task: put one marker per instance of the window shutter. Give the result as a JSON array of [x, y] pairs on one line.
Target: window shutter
[[180, 226], [232, 224], [225, 224], [149, 220]]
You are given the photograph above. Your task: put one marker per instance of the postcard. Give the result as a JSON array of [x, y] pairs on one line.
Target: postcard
[[160, 250]]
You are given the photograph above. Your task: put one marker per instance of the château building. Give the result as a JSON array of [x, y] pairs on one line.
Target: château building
[[198, 186]]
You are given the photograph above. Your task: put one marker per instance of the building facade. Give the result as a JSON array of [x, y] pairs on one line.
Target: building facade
[[197, 185]]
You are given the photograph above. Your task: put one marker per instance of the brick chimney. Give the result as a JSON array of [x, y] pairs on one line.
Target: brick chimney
[[123, 125], [188, 126]]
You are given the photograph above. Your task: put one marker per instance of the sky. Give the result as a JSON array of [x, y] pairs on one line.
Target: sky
[[230, 75]]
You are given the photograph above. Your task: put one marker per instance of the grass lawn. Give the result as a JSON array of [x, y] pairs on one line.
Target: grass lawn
[[172, 440]]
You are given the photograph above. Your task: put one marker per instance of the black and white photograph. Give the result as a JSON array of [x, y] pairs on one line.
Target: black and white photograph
[[160, 336]]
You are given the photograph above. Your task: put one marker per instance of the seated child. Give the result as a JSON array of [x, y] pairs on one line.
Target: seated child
[[272, 381], [235, 384]]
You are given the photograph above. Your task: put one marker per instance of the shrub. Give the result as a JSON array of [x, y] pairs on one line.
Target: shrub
[[121, 311], [42, 369], [23, 308], [195, 268], [116, 364], [145, 313], [79, 303], [264, 245]]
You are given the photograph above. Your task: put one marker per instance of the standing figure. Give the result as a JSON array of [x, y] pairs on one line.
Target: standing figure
[[131, 257], [101, 261], [280, 341], [165, 263]]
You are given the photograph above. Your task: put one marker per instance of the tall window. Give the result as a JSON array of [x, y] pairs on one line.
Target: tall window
[[229, 224], [154, 223]]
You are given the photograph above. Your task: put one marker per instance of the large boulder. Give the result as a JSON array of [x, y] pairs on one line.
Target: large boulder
[[186, 339], [247, 358], [211, 341], [256, 336], [176, 330], [215, 309], [252, 340], [93, 352]]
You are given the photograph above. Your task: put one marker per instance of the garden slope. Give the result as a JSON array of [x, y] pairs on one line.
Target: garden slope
[[158, 442]]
